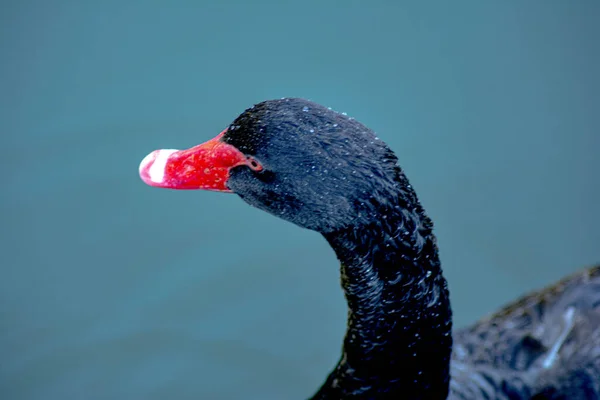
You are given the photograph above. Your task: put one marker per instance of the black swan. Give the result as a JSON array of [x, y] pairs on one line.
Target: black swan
[[325, 171]]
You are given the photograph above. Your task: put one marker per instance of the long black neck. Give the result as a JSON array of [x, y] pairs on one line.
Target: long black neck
[[398, 342]]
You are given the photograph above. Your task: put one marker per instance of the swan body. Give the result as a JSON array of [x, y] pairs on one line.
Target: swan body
[[327, 172]]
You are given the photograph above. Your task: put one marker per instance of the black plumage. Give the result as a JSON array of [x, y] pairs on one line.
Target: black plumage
[[327, 172]]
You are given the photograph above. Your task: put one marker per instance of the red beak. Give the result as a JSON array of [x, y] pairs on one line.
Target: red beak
[[205, 166]]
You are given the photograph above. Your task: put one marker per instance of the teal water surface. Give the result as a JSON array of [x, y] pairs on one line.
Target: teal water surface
[[110, 289]]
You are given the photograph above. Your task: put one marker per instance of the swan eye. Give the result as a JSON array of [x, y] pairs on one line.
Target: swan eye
[[253, 164]]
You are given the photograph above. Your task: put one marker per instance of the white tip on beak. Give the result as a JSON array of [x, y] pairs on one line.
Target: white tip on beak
[[152, 167]]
